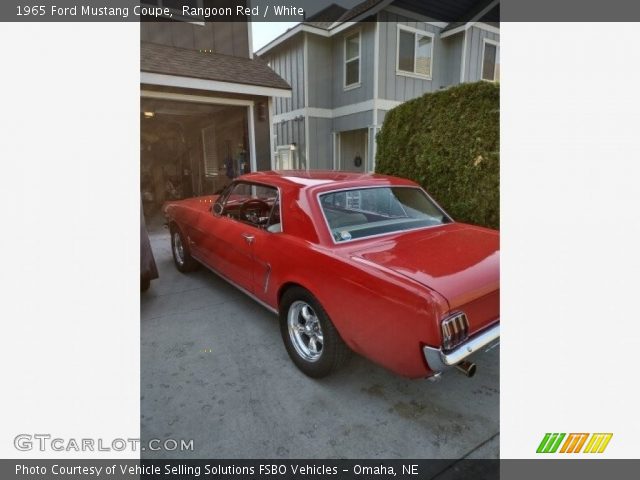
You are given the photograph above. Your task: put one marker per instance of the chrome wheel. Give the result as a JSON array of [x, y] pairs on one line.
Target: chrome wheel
[[178, 248], [305, 331]]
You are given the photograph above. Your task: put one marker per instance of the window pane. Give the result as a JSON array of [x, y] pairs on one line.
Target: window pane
[[352, 46], [423, 55], [489, 62], [353, 73], [361, 213], [406, 51]]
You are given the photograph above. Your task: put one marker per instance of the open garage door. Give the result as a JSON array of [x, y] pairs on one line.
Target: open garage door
[[190, 148]]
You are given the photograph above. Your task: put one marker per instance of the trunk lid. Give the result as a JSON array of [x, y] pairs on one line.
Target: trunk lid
[[459, 261]]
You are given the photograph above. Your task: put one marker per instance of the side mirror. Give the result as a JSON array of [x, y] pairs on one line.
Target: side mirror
[[217, 208]]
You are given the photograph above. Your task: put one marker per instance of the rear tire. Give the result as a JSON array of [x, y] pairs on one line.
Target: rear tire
[[181, 253], [312, 341]]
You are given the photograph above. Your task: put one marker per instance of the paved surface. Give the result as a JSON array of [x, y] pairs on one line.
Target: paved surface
[[214, 369]]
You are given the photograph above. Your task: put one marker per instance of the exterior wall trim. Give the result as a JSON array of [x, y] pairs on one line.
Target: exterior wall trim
[[213, 85], [463, 62], [305, 76], [272, 151], [373, 104], [182, 97], [250, 38], [467, 26], [376, 73]]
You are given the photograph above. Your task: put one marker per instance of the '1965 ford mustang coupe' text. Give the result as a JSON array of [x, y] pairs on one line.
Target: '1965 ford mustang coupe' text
[[368, 263]]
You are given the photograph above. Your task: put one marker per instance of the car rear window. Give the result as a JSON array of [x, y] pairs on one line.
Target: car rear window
[[364, 212]]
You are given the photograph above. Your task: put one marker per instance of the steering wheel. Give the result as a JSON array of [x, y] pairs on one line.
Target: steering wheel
[[253, 209]]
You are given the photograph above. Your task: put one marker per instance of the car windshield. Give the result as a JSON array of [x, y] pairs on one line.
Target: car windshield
[[364, 212]]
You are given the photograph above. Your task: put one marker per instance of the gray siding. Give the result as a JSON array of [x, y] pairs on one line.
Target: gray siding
[[320, 67], [353, 121], [473, 63], [289, 64], [451, 59], [365, 90], [320, 143], [228, 38]]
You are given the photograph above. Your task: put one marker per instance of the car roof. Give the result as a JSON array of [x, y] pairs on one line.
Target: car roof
[[331, 179]]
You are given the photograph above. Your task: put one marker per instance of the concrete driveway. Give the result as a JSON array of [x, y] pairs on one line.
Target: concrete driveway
[[214, 369]]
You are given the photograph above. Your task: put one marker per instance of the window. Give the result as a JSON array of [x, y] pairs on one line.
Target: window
[[415, 52], [352, 60], [257, 205], [212, 167], [365, 212], [491, 61]]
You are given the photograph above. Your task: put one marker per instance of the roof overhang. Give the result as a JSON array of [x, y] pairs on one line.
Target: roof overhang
[[334, 29], [467, 26], [290, 34], [160, 79], [338, 27]]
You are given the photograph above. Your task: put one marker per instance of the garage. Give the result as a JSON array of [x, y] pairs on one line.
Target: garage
[[190, 148], [205, 118]]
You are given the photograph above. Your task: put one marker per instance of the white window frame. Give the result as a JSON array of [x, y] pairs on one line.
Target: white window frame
[[345, 60], [415, 32], [484, 51]]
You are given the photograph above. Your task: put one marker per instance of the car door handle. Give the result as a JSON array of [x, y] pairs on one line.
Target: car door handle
[[249, 238]]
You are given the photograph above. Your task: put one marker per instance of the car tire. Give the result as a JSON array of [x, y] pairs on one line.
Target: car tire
[[311, 339], [181, 253]]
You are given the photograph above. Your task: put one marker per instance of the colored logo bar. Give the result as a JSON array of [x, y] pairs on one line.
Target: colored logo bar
[[574, 443]]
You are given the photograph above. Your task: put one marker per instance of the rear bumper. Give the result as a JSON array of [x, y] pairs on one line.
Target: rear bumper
[[438, 360]]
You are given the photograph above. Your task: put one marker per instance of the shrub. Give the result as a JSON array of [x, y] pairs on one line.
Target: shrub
[[449, 142]]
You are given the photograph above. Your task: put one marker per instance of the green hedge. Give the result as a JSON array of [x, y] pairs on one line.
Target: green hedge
[[449, 142]]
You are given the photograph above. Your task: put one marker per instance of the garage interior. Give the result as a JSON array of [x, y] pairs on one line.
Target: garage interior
[[189, 149]]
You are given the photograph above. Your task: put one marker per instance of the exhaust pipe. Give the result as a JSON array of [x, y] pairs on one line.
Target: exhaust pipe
[[468, 368]]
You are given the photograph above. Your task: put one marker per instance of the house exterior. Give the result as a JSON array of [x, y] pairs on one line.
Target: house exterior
[[205, 107], [347, 74]]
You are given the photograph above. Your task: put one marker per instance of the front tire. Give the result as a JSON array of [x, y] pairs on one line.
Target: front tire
[[181, 253], [311, 340]]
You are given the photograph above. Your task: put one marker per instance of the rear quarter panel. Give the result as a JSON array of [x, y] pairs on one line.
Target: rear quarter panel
[[380, 315]]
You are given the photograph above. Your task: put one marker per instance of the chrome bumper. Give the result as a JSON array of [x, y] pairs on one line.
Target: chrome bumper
[[437, 360]]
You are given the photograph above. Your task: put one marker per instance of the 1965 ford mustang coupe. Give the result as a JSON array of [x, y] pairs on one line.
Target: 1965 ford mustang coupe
[[350, 262]]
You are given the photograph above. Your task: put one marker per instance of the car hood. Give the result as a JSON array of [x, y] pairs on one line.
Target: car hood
[[459, 261]]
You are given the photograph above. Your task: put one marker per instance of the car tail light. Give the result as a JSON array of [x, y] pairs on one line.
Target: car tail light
[[455, 330]]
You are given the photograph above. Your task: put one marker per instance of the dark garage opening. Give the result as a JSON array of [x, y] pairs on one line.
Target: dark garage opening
[[189, 149]]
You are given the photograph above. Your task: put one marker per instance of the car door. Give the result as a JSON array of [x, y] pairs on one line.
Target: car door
[[240, 219]]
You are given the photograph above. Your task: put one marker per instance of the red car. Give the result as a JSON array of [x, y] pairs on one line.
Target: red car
[[349, 262]]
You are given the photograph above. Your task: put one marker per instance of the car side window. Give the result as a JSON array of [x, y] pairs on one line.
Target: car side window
[[250, 203]]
